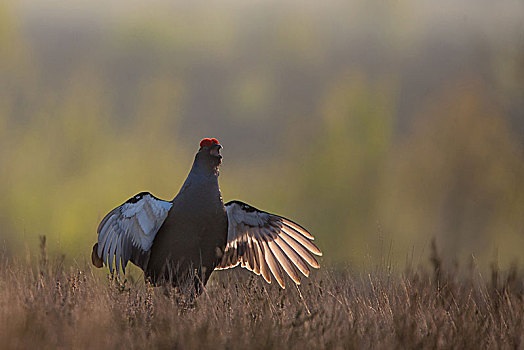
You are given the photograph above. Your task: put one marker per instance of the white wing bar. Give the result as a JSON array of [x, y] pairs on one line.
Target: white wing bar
[[127, 232]]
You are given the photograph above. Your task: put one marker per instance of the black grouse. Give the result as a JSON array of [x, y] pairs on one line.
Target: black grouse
[[186, 239]]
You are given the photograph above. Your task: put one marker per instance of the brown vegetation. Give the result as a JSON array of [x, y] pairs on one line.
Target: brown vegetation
[[50, 305]]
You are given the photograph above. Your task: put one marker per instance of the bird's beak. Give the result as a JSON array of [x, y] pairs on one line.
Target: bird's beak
[[215, 151]]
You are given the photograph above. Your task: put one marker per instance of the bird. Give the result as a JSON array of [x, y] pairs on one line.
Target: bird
[[182, 241]]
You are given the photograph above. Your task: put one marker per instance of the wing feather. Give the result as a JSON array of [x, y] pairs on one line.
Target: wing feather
[[107, 245], [118, 255], [284, 261], [264, 269], [303, 252], [267, 244], [250, 254], [273, 266], [112, 247], [303, 241], [254, 255], [104, 235], [298, 228], [293, 256], [127, 232]]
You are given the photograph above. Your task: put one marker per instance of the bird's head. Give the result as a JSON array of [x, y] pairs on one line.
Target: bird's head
[[209, 153]]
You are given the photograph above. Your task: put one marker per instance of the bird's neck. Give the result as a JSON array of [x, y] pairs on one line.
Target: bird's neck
[[200, 176], [204, 171]]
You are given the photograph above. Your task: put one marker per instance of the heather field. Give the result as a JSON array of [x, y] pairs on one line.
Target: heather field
[[46, 304], [379, 126]]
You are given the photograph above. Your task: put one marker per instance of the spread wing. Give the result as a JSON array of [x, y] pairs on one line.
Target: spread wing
[[128, 231], [263, 242]]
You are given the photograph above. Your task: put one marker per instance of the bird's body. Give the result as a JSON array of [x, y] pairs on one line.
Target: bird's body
[[194, 234], [183, 241]]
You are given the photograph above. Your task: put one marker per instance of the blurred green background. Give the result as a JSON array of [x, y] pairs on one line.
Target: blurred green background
[[376, 124]]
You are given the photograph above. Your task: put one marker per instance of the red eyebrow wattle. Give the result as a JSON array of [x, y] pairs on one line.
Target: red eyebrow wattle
[[208, 142]]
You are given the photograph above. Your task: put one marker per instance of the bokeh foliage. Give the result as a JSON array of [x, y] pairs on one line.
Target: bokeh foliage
[[372, 124]]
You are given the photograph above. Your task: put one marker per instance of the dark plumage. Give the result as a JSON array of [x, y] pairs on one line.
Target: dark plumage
[[194, 233], [183, 241]]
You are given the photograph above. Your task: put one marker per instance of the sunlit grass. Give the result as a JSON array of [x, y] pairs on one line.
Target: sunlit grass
[[48, 304]]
